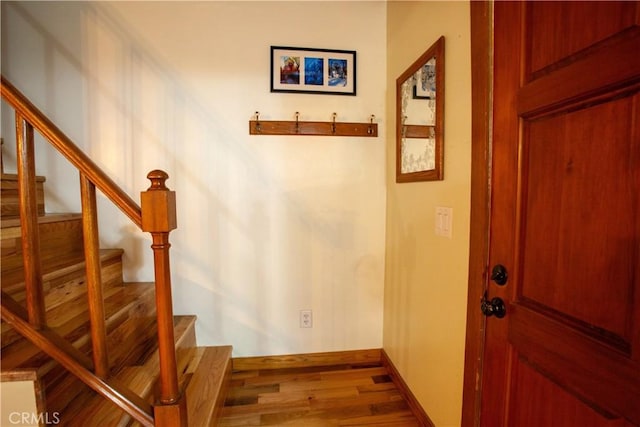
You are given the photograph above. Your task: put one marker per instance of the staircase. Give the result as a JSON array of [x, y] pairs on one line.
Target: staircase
[[99, 351]]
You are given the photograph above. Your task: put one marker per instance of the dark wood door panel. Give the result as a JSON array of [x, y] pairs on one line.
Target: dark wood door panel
[[558, 30], [601, 71], [601, 376], [538, 401], [584, 265]]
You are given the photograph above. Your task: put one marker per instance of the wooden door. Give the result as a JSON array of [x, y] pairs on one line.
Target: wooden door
[[565, 216]]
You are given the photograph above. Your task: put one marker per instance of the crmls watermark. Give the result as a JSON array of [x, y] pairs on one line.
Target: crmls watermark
[[30, 418]]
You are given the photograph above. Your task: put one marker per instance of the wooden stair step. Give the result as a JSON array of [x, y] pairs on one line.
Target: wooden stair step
[[121, 304], [64, 285], [208, 385], [9, 195], [64, 267], [68, 320], [141, 379]]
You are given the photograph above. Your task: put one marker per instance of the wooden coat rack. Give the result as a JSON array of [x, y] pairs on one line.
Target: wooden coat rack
[[297, 127]]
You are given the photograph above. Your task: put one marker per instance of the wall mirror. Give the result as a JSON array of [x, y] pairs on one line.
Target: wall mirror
[[420, 118]]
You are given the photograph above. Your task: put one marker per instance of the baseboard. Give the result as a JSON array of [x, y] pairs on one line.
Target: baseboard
[[397, 379], [354, 357]]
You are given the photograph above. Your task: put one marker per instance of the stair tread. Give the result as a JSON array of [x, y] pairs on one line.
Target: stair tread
[[14, 221], [14, 177]]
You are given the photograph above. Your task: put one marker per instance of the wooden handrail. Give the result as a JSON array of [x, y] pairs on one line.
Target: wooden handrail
[[68, 149], [157, 216]]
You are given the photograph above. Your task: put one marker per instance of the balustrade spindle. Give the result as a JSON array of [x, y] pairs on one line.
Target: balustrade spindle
[[26, 166], [94, 276]]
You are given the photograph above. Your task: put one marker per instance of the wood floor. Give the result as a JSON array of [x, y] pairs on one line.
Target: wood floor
[[340, 395]]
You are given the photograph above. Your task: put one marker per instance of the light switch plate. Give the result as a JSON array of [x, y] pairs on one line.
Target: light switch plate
[[444, 221]]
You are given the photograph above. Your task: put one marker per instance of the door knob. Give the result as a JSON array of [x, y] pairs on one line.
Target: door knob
[[499, 274], [495, 307]]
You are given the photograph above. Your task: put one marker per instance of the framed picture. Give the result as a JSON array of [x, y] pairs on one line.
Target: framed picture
[[425, 87], [305, 70]]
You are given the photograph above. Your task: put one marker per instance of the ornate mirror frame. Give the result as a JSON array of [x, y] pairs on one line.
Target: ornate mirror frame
[[420, 118]]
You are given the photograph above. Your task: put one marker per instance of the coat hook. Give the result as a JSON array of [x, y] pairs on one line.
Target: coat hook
[[258, 126], [333, 126], [297, 122], [370, 130]]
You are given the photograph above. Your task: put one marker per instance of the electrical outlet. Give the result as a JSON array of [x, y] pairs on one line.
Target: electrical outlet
[[306, 319]]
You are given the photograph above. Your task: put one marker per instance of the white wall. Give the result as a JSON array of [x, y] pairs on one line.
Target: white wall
[[267, 226]]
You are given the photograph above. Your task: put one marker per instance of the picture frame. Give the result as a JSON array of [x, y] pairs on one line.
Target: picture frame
[[425, 85], [316, 71]]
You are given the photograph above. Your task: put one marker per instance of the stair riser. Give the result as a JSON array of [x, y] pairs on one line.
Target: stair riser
[[56, 239], [10, 201], [60, 237]]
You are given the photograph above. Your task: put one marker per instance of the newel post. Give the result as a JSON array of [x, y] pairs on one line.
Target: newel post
[[158, 205]]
